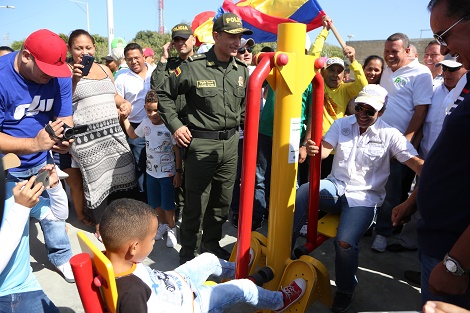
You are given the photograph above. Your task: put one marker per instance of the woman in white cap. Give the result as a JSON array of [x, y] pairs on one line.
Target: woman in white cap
[[363, 145]]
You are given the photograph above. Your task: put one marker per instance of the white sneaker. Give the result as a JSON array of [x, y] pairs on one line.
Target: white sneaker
[[380, 243], [162, 229], [66, 271], [171, 237]]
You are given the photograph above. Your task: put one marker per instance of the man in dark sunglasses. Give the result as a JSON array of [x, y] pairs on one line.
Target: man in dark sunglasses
[[364, 145], [444, 229], [245, 52]]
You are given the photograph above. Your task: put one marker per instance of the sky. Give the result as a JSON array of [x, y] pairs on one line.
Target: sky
[[354, 20]]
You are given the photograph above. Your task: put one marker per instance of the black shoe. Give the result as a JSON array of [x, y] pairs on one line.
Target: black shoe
[[342, 302], [255, 225], [413, 277], [234, 220], [397, 247], [397, 229], [219, 252], [368, 232]]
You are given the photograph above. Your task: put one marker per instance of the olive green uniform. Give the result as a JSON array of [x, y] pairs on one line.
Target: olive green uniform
[[215, 103], [159, 75]]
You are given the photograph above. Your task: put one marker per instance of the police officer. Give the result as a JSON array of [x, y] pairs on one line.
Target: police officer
[[183, 41], [214, 85]]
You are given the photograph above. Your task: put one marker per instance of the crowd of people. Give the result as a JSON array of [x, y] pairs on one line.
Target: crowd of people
[[170, 134]]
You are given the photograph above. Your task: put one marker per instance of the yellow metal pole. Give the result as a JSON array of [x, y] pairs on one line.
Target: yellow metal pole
[[291, 80]]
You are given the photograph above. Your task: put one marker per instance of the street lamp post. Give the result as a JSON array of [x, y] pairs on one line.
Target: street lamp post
[[349, 38], [87, 15]]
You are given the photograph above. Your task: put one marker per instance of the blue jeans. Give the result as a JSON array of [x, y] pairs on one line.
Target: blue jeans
[[56, 239], [354, 222], [263, 176], [31, 302], [396, 184], [427, 265], [138, 150], [224, 295]]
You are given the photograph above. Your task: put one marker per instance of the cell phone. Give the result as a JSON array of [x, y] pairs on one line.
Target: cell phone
[[42, 177], [87, 62]]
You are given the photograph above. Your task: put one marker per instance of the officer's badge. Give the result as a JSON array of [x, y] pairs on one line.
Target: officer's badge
[[241, 81], [177, 71]]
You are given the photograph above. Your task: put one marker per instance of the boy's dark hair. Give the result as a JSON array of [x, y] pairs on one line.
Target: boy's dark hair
[[6, 48], [151, 97], [123, 220]]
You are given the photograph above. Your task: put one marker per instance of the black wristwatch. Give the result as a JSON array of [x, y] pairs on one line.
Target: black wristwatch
[[453, 266], [179, 170]]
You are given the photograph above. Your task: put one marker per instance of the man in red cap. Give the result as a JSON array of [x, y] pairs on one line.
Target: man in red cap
[[149, 57], [36, 90]]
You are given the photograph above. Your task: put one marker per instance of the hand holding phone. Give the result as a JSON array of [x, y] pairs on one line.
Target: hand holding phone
[[87, 62], [42, 177]]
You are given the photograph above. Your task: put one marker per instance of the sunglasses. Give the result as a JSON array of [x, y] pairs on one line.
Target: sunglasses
[[369, 112], [440, 38], [242, 50], [450, 69]]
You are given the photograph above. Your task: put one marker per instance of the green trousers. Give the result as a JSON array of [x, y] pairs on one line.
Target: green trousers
[[210, 169]]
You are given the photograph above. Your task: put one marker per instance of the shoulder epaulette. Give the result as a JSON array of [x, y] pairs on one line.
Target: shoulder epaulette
[[195, 57], [241, 62]]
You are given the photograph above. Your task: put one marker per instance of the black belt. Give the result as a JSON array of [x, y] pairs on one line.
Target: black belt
[[214, 134]]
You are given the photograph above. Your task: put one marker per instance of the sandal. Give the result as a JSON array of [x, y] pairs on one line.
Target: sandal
[[86, 220]]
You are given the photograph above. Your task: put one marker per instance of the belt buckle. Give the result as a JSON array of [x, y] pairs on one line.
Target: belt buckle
[[223, 134]]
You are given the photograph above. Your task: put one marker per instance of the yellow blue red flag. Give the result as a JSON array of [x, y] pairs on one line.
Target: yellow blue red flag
[[264, 16]]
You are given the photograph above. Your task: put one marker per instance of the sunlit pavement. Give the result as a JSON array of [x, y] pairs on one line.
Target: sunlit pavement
[[381, 287]]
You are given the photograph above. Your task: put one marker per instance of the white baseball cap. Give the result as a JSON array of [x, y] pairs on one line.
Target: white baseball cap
[[449, 61], [332, 61], [373, 95]]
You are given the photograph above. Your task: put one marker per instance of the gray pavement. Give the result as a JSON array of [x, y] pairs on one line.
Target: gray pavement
[[381, 288]]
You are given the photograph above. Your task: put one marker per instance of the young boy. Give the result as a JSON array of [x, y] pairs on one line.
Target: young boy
[[19, 289], [128, 229], [162, 175]]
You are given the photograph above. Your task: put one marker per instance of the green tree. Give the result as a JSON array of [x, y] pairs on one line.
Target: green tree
[[16, 45], [154, 40], [332, 51], [101, 44]]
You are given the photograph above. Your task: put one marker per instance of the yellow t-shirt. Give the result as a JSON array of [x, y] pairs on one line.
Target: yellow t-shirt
[[336, 100]]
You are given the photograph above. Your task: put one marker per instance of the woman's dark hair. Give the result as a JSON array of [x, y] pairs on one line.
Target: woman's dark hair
[[371, 58], [77, 33]]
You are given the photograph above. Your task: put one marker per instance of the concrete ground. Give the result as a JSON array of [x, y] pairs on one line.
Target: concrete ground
[[381, 288]]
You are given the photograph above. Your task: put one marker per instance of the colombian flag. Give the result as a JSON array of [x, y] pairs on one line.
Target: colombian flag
[[264, 16]]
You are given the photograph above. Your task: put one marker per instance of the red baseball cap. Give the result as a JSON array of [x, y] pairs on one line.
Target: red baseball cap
[[49, 52], [148, 52]]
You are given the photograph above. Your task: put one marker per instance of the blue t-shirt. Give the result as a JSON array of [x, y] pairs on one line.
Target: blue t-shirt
[[26, 107]]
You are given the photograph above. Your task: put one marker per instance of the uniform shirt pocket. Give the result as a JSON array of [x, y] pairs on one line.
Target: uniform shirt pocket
[[206, 99], [239, 92]]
